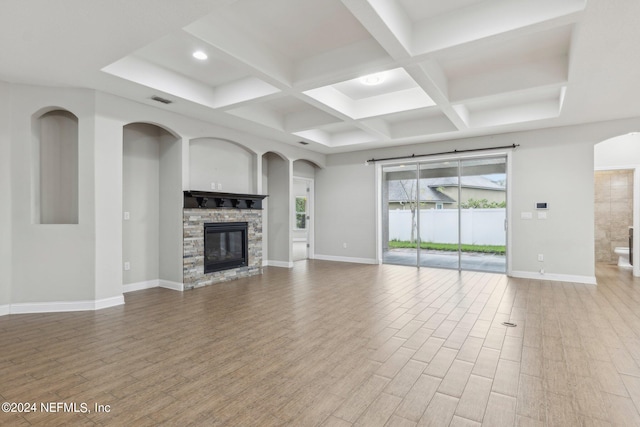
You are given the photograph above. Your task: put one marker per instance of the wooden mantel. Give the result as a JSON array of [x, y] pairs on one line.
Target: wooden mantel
[[214, 200]]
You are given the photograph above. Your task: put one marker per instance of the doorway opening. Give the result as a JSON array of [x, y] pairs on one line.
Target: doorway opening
[[446, 214], [617, 202], [302, 233]]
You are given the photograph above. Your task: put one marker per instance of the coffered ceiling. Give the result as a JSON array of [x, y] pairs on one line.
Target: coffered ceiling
[[341, 75]]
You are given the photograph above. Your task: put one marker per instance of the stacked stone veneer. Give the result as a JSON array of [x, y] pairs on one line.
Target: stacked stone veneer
[[193, 221]]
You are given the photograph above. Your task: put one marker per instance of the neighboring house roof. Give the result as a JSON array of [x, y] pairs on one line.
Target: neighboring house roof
[[429, 188], [477, 181], [427, 194]]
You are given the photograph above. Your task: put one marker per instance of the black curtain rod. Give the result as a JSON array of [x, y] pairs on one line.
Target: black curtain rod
[[413, 156]]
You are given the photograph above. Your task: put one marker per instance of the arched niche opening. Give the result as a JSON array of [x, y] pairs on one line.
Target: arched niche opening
[[617, 199], [152, 205], [221, 165], [305, 168], [276, 182], [54, 161]]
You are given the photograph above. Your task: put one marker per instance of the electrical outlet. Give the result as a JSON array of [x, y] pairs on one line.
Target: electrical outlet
[[219, 186], [213, 185], [127, 266], [127, 216], [344, 245], [540, 257]]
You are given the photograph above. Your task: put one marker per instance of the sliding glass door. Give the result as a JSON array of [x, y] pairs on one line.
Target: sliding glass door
[[400, 214], [447, 214], [483, 214], [439, 216]]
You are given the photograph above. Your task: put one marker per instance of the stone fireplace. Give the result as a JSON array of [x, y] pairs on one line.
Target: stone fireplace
[[222, 237]]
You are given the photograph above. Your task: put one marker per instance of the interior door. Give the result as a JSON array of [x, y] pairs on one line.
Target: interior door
[[301, 240]]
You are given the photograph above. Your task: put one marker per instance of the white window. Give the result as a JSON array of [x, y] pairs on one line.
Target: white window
[[301, 213], [439, 205]]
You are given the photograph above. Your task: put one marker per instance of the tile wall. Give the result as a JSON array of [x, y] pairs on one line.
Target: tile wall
[[613, 212]]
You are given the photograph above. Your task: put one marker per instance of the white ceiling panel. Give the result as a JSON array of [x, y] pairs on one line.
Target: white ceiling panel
[[291, 69]]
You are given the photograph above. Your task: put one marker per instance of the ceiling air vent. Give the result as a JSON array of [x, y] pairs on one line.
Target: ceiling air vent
[[163, 100]]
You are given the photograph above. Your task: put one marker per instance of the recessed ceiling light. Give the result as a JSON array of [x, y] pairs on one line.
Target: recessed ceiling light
[[373, 79], [198, 54]]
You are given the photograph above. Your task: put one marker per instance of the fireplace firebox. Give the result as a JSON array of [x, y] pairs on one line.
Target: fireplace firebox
[[225, 246]]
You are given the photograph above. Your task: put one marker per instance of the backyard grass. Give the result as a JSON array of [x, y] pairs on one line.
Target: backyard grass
[[486, 249]]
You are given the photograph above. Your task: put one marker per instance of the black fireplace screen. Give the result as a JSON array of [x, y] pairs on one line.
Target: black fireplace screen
[[225, 246]]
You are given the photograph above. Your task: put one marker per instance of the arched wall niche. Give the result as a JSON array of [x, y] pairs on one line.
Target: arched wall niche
[[217, 164], [276, 182], [54, 166], [152, 204], [160, 127]]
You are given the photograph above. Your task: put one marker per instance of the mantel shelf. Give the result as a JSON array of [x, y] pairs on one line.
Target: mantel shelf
[[215, 200]]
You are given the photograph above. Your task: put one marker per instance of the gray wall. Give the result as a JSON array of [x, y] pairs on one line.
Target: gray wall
[[623, 151], [5, 195], [223, 163], [304, 169], [141, 198], [345, 209], [170, 208], [107, 191], [278, 218], [554, 166]]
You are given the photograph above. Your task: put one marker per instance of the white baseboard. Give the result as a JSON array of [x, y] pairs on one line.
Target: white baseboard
[[283, 264], [138, 286], [155, 283], [168, 284], [5, 309], [346, 259], [63, 306], [587, 280]]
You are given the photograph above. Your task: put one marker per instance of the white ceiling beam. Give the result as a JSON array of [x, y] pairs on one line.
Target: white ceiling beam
[[432, 80], [386, 22]]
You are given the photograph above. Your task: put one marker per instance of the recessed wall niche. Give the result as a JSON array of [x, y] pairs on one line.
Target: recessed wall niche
[[55, 168], [225, 165], [152, 202]]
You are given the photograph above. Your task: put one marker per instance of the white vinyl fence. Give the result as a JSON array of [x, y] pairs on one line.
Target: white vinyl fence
[[478, 226]]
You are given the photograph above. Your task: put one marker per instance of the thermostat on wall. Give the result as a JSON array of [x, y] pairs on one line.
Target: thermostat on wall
[[542, 205]]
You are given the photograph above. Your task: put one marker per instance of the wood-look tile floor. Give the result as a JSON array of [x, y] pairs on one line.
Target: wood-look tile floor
[[336, 344]]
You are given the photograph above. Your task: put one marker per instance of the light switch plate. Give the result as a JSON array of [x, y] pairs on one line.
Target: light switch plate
[[526, 215]]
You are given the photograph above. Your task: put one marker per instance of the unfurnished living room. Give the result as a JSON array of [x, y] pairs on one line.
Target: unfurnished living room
[[320, 213]]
